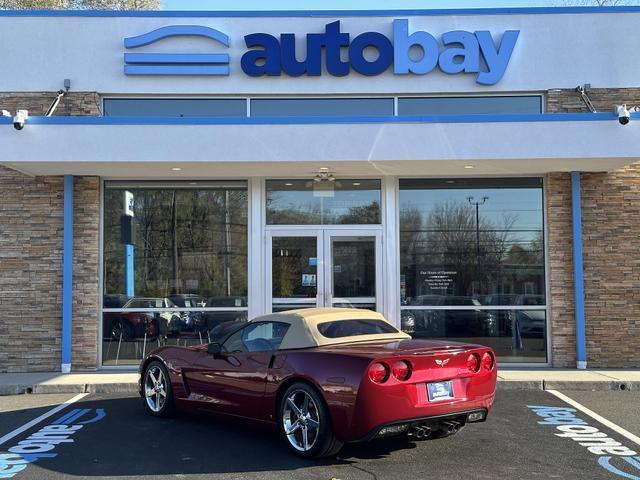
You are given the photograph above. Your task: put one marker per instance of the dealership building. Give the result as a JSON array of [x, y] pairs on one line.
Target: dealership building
[[472, 174]]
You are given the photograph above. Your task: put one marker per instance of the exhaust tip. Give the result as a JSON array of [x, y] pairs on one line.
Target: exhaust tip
[[420, 431]]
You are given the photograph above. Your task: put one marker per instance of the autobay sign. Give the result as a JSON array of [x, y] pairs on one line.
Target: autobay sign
[[369, 53]]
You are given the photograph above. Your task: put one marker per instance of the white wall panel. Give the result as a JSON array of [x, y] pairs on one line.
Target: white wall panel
[[553, 51]]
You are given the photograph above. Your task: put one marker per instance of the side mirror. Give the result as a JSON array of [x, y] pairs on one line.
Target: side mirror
[[214, 349]]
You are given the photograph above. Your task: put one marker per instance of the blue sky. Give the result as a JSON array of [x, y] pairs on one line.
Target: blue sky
[[349, 4]]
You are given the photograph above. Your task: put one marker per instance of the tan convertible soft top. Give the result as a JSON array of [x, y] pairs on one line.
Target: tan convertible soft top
[[303, 331]]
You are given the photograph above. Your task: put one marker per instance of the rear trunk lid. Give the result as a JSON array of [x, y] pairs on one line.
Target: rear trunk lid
[[411, 348]]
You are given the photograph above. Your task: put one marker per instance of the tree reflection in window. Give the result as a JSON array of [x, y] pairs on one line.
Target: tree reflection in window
[[452, 258]]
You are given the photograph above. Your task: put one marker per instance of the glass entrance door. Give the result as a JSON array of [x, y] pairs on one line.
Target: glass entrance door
[[352, 271], [324, 268], [292, 280]]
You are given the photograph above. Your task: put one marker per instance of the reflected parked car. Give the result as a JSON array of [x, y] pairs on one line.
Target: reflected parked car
[[473, 322], [210, 320], [124, 326], [504, 318], [189, 320], [532, 322], [114, 300], [470, 322], [168, 322], [412, 321], [188, 300]]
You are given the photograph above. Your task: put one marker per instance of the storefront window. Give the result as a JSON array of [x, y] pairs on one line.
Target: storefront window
[[310, 202], [472, 263], [175, 107], [175, 264], [318, 107], [470, 105]]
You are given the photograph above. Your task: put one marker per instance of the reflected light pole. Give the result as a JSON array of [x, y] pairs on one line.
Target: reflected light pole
[[477, 205]]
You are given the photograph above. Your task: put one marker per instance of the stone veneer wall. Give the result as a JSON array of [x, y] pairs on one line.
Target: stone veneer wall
[[86, 268], [560, 275], [603, 99], [73, 103], [30, 272], [31, 236], [611, 233], [611, 238]]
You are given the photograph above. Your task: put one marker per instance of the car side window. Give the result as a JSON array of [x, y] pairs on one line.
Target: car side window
[[234, 343], [257, 337]]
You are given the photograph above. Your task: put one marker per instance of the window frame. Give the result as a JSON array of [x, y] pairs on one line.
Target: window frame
[[381, 201], [540, 96], [395, 98], [547, 308], [183, 183]]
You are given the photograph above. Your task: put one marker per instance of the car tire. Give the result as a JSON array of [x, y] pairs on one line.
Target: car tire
[[156, 378], [314, 424], [121, 329]]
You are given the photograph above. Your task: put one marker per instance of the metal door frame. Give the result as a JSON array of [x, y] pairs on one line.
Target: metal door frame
[[324, 279]]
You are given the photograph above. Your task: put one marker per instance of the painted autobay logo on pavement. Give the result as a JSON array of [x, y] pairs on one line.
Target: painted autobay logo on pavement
[[42, 443], [612, 455], [416, 53]]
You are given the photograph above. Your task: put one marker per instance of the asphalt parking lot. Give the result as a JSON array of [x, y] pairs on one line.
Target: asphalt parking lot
[[530, 434]]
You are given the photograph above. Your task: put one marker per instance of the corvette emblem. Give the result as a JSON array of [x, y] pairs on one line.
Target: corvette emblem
[[442, 363]]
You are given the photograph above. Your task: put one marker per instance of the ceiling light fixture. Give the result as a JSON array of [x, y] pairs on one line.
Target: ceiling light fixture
[[324, 176], [324, 183], [176, 169], [469, 166]]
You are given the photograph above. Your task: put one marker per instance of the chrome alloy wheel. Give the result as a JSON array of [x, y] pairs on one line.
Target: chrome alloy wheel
[[301, 420], [155, 389]]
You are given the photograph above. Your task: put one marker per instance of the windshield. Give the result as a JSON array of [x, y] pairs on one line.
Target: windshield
[[353, 328]]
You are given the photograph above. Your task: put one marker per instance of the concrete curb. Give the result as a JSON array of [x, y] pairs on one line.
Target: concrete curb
[[584, 385], [69, 388], [612, 385], [520, 385], [14, 389], [503, 385]]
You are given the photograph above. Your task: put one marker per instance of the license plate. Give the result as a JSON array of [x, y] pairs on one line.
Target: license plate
[[440, 391]]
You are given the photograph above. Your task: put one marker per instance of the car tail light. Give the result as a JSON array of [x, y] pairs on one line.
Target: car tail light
[[487, 361], [401, 370], [378, 373], [473, 362]]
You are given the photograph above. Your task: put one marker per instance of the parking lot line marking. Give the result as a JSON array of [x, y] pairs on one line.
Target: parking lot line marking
[[599, 418], [42, 417]]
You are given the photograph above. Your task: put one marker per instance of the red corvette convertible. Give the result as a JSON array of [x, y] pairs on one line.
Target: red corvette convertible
[[325, 377]]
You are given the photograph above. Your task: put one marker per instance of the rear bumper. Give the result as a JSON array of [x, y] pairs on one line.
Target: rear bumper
[[403, 402], [460, 417]]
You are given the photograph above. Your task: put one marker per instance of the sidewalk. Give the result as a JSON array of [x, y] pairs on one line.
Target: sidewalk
[[568, 379], [508, 379]]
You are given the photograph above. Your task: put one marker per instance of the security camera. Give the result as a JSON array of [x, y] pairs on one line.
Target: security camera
[[20, 119], [623, 114]]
